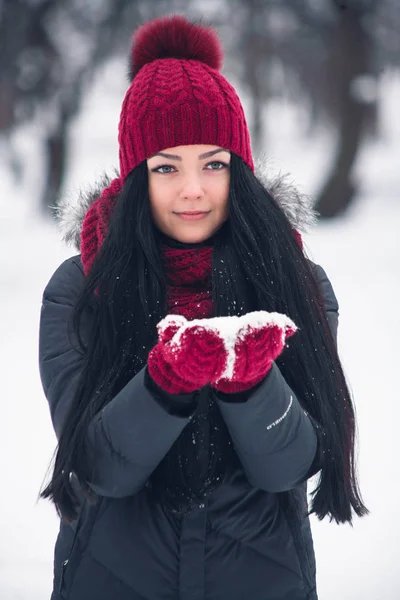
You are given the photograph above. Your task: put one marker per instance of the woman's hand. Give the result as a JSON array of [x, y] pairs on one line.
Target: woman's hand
[[188, 355], [256, 342], [230, 353]]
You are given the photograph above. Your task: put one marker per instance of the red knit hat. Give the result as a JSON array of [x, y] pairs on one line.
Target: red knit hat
[[177, 97]]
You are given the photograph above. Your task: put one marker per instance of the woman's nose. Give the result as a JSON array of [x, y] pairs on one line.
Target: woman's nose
[[192, 188]]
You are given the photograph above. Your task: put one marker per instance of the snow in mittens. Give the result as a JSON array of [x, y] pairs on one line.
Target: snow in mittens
[[171, 321], [230, 329]]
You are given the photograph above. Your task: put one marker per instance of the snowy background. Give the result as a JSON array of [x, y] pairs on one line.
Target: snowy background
[[361, 254]]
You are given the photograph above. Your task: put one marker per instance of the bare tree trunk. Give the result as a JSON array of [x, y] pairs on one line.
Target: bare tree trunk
[[56, 153], [351, 58], [254, 55]]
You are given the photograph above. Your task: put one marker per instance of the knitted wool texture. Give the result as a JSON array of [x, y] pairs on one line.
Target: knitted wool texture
[[188, 294], [189, 281], [175, 102], [201, 358], [177, 97]]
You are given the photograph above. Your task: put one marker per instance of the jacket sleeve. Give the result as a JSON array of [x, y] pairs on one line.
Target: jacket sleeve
[[330, 300], [273, 436], [128, 438]]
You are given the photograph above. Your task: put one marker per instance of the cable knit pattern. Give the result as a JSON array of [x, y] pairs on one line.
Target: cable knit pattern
[[257, 346], [189, 281], [95, 223], [174, 102], [189, 296], [198, 360], [232, 354]]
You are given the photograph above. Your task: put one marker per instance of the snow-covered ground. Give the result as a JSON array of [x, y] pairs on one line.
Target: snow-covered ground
[[361, 254]]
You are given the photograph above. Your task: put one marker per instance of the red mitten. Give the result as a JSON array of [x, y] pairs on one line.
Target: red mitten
[[253, 342], [187, 356]]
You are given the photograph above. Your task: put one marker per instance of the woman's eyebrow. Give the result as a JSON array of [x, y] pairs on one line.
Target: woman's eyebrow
[[212, 152], [169, 156], [202, 156]]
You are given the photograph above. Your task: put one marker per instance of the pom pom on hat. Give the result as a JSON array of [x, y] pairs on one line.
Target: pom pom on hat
[[175, 37], [178, 96]]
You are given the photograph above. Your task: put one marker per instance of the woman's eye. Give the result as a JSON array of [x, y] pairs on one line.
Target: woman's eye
[[163, 169], [216, 165]]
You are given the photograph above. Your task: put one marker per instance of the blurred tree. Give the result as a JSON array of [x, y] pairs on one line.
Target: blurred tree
[[326, 56], [349, 67], [49, 52]]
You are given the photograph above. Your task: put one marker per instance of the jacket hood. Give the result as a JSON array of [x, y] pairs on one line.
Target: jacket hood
[[296, 205]]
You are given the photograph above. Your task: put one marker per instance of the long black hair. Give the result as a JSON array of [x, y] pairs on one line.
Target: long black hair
[[257, 265]]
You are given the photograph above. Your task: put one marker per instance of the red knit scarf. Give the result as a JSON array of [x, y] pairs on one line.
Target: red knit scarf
[[189, 281]]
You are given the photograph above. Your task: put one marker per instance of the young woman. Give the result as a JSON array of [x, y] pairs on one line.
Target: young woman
[[188, 354]]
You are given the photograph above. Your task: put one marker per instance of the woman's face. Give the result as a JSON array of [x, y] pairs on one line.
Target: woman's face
[[189, 188]]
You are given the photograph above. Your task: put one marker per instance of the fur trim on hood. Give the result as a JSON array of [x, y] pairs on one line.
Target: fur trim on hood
[[297, 206]]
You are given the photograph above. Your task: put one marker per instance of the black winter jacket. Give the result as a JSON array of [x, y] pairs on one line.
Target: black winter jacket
[[249, 539]]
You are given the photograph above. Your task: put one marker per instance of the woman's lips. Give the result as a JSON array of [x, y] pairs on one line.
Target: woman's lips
[[192, 216]]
